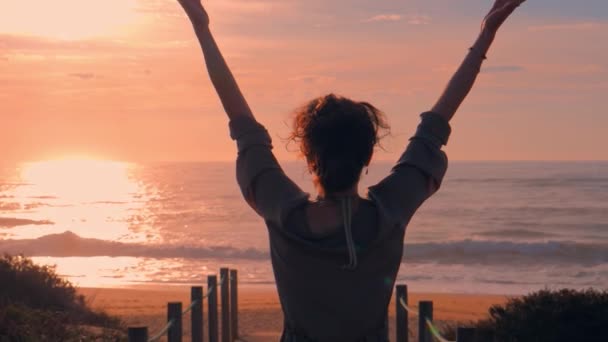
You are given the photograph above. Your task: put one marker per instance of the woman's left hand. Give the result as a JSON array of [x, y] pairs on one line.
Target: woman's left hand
[[196, 12]]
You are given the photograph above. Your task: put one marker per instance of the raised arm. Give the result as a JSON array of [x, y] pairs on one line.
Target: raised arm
[[225, 85], [461, 83]]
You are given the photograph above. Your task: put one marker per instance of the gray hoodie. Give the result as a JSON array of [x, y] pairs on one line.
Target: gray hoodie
[[338, 287]]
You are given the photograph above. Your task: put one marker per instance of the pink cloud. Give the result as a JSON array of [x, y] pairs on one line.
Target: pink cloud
[[383, 17], [418, 19], [582, 26], [412, 19]]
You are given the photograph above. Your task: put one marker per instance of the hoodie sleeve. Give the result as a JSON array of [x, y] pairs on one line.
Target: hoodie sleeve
[[418, 173], [264, 185]]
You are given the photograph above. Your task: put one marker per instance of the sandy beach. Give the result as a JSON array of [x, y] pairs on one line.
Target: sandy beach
[[260, 317]]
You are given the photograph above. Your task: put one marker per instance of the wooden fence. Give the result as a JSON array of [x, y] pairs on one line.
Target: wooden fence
[[228, 286], [228, 283], [427, 332]]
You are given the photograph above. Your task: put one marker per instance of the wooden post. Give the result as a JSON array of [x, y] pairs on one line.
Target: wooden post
[[196, 315], [465, 335], [174, 313], [401, 313], [225, 275], [234, 302], [425, 310], [212, 309], [138, 334]]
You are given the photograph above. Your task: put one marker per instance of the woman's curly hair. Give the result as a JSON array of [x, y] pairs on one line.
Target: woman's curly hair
[[337, 137]]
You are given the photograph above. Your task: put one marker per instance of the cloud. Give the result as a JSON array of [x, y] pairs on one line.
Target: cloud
[[383, 17], [159, 8], [27, 48], [582, 26], [313, 79], [418, 19], [502, 69], [9, 207], [85, 76], [21, 46], [15, 222], [37, 43], [172, 9], [249, 6], [412, 19]]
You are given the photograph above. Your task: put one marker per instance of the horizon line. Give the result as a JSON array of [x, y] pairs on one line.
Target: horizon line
[[298, 160]]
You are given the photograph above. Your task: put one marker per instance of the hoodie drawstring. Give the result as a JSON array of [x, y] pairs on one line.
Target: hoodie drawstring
[[347, 213]]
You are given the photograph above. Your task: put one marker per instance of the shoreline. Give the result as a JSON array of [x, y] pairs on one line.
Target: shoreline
[[260, 315], [271, 287]]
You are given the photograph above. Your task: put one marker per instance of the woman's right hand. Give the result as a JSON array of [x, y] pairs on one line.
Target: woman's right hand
[[501, 10], [196, 12]]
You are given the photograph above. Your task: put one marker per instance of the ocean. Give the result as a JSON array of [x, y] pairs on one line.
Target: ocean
[[494, 227]]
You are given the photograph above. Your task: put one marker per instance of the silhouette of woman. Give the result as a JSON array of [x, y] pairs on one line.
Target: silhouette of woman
[[335, 259]]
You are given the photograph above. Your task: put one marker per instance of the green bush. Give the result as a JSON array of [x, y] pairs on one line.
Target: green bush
[[37, 305], [551, 316], [35, 286]]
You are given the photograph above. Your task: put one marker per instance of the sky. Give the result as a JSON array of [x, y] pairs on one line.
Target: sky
[[125, 80]]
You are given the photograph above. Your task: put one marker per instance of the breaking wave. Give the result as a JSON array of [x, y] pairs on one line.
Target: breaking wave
[[69, 244]]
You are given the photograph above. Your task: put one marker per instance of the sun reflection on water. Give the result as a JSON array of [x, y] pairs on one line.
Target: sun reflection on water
[[105, 223], [95, 271], [92, 198]]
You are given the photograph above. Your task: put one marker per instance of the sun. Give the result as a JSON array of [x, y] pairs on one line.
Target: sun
[[68, 19]]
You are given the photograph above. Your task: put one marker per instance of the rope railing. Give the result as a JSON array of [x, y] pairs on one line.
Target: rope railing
[[173, 328], [402, 301], [162, 332], [435, 331], [431, 327], [171, 322], [188, 309], [427, 331]]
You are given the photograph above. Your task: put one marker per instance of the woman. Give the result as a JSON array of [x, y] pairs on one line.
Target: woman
[[335, 259]]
